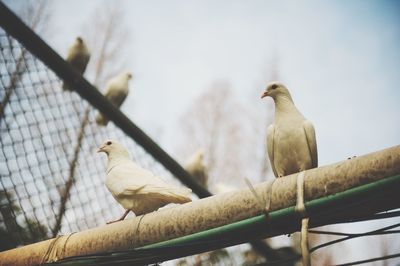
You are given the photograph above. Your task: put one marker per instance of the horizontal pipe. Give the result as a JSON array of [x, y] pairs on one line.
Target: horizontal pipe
[[341, 207], [337, 206], [211, 212]]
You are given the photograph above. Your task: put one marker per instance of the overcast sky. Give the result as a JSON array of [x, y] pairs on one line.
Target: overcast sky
[[339, 59]]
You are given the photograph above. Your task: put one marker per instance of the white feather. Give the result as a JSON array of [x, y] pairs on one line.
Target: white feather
[[291, 141], [135, 188]]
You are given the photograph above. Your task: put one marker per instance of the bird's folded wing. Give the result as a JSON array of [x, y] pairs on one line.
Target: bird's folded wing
[[311, 141], [131, 179], [79, 62], [115, 95], [270, 146]]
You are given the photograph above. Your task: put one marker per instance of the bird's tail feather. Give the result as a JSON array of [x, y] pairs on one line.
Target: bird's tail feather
[[175, 198], [167, 194], [171, 194]]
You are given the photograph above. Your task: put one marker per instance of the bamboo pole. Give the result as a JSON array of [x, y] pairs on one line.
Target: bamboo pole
[[210, 212]]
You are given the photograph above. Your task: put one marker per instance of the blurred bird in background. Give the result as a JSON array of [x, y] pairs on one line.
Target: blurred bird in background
[[78, 56], [116, 91], [196, 168], [291, 141], [137, 189]]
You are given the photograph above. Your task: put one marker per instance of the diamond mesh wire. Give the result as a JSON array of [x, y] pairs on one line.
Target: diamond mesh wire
[[40, 128]]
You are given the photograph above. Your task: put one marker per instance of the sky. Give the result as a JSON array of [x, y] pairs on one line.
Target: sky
[[339, 59]]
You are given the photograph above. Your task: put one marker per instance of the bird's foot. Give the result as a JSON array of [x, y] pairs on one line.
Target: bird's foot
[[120, 219], [111, 222]]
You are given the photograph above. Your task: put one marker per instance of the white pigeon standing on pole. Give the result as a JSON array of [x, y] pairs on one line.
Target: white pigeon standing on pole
[[291, 141], [78, 56], [292, 148], [116, 91], [137, 189], [196, 168]]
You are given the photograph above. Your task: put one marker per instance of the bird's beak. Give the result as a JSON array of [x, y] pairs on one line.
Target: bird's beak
[[265, 94], [100, 149]]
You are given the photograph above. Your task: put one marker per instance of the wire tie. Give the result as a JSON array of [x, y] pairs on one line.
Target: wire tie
[[301, 209], [49, 250], [264, 204], [269, 198], [65, 245]]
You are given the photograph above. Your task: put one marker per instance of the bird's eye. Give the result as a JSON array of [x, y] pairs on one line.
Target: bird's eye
[[109, 142], [274, 86]]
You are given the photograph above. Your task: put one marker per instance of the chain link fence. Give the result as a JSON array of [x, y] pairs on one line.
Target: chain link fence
[[51, 178]]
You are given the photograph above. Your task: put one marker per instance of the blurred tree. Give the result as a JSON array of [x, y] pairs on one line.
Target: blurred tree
[[252, 258], [107, 38], [218, 256], [9, 228], [215, 257], [11, 233], [213, 123], [37, 14]]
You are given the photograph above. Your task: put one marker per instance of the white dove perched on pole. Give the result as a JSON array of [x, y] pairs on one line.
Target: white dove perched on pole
[[78, 56], [196, 168], [291, 142], [292, 148], [137, 189], [116, 91]]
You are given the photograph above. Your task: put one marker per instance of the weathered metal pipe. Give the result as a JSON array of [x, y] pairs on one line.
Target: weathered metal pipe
[[210, 212]]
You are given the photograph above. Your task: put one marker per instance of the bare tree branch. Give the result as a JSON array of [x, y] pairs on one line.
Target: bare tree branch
[[107, 38], [214, 123]]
